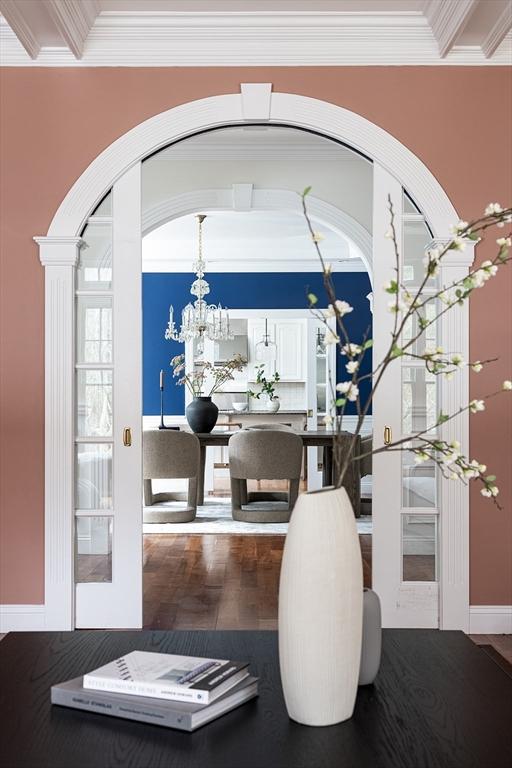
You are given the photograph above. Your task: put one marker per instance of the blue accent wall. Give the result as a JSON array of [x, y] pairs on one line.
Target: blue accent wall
[[253, 290]]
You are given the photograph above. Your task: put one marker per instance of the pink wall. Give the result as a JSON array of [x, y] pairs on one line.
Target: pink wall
[[54, 122]]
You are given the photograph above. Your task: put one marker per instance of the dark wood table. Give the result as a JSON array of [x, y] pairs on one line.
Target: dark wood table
[[439, 701], [320, 438]]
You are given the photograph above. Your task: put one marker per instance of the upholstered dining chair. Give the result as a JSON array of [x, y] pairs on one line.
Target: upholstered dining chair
[[168, 454], [264, 454]]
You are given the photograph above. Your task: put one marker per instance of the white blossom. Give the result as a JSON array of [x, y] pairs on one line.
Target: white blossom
[[504, 242], [476, 405], [458, 243], [389, 234], [343, 307], [494, 490], [327, 420], [351, 350], [348, 389], [420, 457], [352, 366], [507, 385], [459, 226], [486, 492], [455, 445], [489, 267], [330, 337], [318, 237], [477, 366], [449, 375], [457, 360], [493, 208]]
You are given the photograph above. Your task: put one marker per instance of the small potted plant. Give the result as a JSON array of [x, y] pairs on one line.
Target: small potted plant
[[202, 383], [268, 389]]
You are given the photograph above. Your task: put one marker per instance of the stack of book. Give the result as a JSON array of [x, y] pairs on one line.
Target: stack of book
[[181, 692]]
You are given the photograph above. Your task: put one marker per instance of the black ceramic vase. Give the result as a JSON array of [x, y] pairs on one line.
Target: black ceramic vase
[[202, 414]]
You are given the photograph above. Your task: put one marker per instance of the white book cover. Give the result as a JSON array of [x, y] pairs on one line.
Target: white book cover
[[166, 676]]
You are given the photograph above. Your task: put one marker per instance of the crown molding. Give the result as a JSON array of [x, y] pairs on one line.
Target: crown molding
[[254, 39], [20, 29], [498, 32], [74, 20], [447, 20]]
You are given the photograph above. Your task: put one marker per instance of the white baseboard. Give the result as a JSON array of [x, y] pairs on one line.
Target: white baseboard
[[490, 619], [22, 618]]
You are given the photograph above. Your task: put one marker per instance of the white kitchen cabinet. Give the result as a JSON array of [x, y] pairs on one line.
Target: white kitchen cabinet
[[289, 335], [290, 338]]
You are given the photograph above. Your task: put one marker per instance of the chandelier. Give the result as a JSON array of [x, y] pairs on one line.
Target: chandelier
[[200, 320]]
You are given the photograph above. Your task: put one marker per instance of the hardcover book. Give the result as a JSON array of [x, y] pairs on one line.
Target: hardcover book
[[184, 716], [166, 676]]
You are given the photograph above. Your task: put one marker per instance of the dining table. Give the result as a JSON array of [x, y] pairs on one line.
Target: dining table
[[322, 438]]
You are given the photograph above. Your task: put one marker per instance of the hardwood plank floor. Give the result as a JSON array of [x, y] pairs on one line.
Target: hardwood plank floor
[[216, 581]]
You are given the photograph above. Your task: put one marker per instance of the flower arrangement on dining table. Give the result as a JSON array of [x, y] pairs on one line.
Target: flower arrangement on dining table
[[426, 308], [205, 378]]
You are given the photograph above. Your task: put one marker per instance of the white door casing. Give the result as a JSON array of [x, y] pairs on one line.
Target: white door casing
[[254, 104]]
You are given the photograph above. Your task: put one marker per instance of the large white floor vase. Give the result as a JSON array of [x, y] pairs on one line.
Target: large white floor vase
[[321, 609]]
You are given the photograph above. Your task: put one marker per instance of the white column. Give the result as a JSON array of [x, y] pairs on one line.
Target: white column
[[454, 495], [59, 256]]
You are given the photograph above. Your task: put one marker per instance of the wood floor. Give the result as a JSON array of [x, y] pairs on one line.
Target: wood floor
[[226, 582]]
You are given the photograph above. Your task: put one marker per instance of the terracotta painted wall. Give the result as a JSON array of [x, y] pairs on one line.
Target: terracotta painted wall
[[54, 122]]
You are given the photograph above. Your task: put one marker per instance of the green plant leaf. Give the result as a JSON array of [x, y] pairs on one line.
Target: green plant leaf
[[341, 401], [312, 299], [490, 478], [307, 191], [368, 344], [442, 418]]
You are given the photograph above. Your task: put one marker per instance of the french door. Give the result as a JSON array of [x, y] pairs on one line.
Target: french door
[[405, 495], [108, 510]]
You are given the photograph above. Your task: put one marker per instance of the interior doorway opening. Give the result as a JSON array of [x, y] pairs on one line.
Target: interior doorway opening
[[261, 265]]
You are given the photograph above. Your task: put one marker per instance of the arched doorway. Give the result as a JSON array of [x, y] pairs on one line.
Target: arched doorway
[[120, 165]]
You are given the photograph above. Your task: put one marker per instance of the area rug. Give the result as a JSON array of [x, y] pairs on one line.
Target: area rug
[[215, 517]]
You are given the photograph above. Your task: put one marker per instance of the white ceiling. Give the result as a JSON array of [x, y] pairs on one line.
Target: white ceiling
[[260, 241], [250, 32]]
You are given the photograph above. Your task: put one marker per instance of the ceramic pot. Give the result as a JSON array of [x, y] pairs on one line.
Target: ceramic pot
[[272, 405], [321, 609], [201, 414]]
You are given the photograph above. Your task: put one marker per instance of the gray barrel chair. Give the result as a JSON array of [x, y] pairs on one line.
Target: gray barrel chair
[[169, 454], [264, 454]]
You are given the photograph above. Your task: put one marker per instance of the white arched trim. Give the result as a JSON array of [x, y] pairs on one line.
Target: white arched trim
[[285, 108], [262, 200], [59, 253]]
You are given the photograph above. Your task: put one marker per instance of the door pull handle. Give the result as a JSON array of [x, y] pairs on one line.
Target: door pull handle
[[388, 435], [127, 437]]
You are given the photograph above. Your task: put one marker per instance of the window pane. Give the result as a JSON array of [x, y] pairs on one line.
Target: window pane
[[418, 482], [419, 399], [105, 207], [94, 329], [416, 238], [429, 336], [419, 547], [94, 270], [94, 403], [93, 549], [94, 476], [408, 204]]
